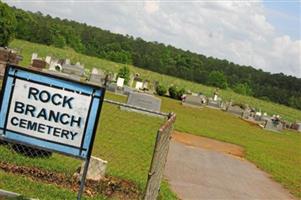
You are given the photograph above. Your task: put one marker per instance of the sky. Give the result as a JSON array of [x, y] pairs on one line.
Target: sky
[[262, 34]]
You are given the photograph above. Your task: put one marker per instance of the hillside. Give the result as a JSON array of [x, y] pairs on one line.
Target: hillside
[[153, 56], [28, 48]]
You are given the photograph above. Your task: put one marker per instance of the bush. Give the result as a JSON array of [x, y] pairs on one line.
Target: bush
[[161, 90], [217, 79], [181, 92], [175, 93]]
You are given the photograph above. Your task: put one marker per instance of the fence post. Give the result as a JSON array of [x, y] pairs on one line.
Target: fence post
[[159, 159]]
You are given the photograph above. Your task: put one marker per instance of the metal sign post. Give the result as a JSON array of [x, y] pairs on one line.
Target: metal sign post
[[49, 112]]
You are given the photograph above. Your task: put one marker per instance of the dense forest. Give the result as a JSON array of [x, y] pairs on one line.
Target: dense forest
[[154, 56]]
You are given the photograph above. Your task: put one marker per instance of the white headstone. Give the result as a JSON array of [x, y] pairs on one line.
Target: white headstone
[[34, 56], [120, 82], [139, 85], [48, 59], [67, 61], [96, 169], [215, 97], [95, 71]]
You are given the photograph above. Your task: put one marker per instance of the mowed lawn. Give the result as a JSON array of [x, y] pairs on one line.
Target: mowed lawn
[[279, 154], [125, 139], [28, 48]]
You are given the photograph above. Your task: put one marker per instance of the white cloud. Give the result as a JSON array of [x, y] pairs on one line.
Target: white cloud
[[234, 30]]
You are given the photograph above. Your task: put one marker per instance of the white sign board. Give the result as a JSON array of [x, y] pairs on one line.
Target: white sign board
[[50, 112]]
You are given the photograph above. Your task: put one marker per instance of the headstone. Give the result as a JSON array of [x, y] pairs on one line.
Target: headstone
[[2, 69], [273, 125], [299, 127], [34, 56], [236, 110], [258, 116], [73, 69], [214, 104], [38, 64], [120, 82], [192, 100], [112, 87], [48, 60], [139, 85], [127, 90], [96, 170], [143, 100], [67, 61]]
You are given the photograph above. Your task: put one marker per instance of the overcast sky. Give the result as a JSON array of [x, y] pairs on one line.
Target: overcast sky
[[263, 34]]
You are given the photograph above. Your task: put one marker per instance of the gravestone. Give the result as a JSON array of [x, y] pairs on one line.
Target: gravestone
[[48, 60], [120, 82], [299, 127], [214, 104], [112, 87], [139, 85], [95, 76], [38, 64], [34, 56], [2, 69], [145, 101], [127, 90], [192, 100], [76, 69], [273, 125], [236, 110], [96, 170]]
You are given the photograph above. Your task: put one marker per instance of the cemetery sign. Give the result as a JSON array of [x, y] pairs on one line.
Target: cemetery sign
[[49, 112]]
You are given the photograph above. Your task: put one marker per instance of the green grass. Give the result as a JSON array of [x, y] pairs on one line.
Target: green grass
[[279, 154], [271, 108], [125, 139], [34, 189]]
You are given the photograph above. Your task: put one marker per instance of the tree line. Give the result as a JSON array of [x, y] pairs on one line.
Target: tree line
[[154, 56]]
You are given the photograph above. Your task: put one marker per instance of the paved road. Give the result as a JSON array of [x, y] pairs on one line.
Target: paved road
[[196, 173]]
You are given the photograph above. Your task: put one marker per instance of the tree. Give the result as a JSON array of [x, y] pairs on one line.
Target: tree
[[7, 24], [217, 79], [243, 88], [124, 72], [161, 90]]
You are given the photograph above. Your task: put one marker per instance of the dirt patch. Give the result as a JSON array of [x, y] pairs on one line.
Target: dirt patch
[[207, 143], [109, 186]]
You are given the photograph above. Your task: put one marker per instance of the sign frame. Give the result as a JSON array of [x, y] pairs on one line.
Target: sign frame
[[97, 93]]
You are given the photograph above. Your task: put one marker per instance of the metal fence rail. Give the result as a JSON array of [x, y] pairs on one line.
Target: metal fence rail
[[135, 146]]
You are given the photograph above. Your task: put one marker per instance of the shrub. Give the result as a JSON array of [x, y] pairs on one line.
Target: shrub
[[173, 92], [161, 90]]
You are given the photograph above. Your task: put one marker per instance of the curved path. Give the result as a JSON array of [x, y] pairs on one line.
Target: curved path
[[196, 169]]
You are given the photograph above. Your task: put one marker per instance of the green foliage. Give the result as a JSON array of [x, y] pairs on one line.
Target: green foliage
[[125, 73], [161, 90], [7, 24], [295, 102], [175, 92], [28, 48], [59, 41], [217, 79], [243, 88], [154, 56]]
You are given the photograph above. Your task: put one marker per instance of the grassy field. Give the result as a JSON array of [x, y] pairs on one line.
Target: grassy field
[[279, 154], [89, 62]]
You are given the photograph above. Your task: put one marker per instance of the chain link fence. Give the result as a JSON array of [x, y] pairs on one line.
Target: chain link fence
[[133, 142]]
